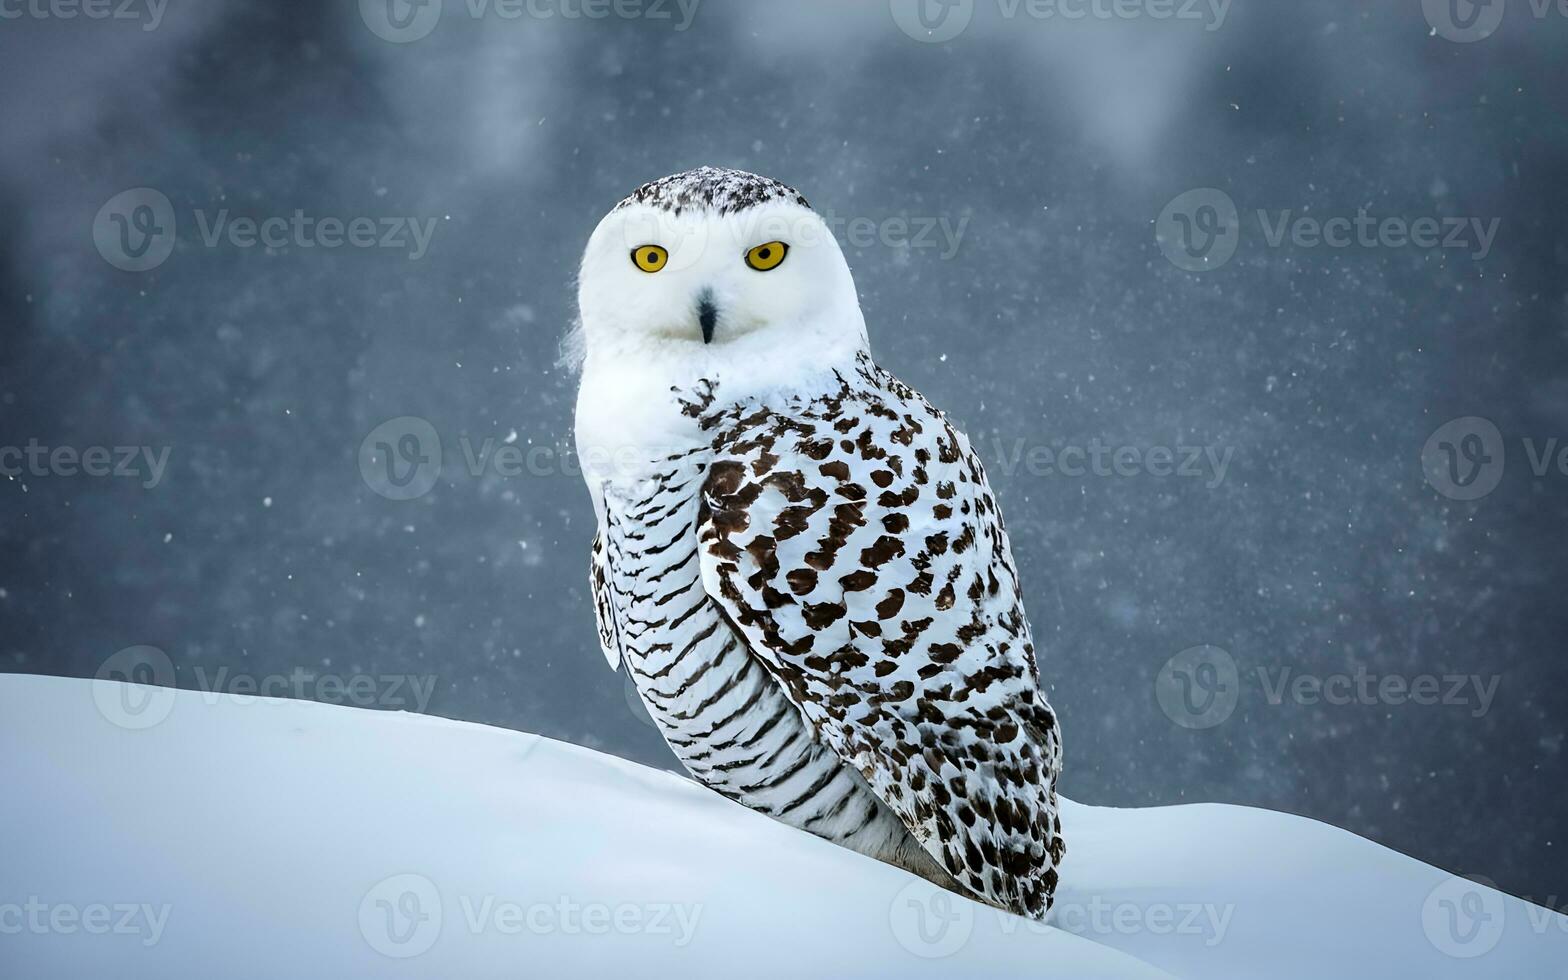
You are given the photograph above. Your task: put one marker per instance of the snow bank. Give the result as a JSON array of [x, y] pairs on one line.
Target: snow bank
[[152, 833]]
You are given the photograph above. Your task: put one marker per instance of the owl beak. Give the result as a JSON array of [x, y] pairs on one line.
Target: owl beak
[[707, 315]]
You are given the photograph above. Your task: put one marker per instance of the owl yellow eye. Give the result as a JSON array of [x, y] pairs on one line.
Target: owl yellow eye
[[765, 258], [650, 258]]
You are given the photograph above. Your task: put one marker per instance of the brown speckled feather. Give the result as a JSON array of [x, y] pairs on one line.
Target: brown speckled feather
[[854, 543]]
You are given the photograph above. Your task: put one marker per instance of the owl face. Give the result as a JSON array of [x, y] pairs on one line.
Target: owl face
[[715, 262]]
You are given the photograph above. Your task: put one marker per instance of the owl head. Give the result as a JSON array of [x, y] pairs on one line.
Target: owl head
[[716, 267]]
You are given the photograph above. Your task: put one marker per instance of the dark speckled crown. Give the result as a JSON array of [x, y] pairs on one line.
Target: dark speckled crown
[[712, 189]]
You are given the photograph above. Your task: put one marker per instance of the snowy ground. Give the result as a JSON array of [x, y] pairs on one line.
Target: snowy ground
[[152, 833]]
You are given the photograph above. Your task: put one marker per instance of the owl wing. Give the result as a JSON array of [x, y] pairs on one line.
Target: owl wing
[[606, 587], [854, 543], [614, 578]]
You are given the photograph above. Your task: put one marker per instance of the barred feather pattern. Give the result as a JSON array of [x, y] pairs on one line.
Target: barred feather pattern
[[818, 604]]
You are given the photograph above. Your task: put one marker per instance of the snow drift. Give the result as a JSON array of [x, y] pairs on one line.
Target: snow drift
[[154, 833]]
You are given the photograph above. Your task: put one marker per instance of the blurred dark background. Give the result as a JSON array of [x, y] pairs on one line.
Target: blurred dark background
[[1056, 322]]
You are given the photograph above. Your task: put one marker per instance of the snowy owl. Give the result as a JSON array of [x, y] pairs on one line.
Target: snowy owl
[[798, 559]]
